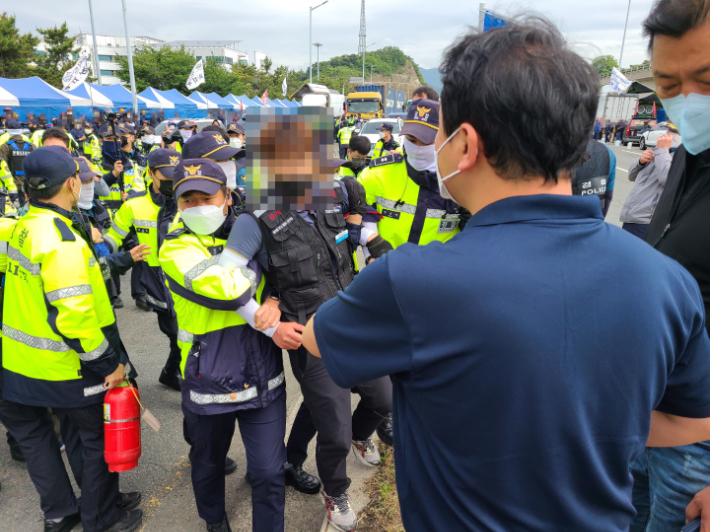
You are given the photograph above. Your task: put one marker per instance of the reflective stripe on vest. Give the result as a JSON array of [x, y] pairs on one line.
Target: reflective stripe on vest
[[47, 344], [411, 209], [3, 248], [142, 223], [150, 299], [199, 269], [94, 390], [184, 336], [120, 231], [71, 291], [15, 255], [235, 397]]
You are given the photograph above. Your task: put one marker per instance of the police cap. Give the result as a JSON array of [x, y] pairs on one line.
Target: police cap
[[422, 120], [201, 175], [209, 145], [53, 164], [86, 174], [164, 160]]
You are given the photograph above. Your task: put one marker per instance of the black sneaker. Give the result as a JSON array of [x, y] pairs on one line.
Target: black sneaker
[[128, 522], [301, 481], [142, 304], [65, 525], [171, 381], [230, 466], [128, 501], [117, 302], [219, 527], [386, 431]]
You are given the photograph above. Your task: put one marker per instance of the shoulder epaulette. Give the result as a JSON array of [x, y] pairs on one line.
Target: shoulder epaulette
[[66, 233], [387, 159], [175, 233]]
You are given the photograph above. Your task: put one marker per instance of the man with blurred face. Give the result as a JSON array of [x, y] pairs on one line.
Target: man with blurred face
[[667, 480]]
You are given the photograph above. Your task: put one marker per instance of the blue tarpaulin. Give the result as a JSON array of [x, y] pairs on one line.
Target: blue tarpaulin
[[492, 20], [122, 97], [184, 107], [33, 95]]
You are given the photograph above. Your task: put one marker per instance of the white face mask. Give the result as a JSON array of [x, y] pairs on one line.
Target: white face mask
[[149, 139], [230, 170], [205, 219], [420, 157], [236, 143], [443, 191], [382, 134], [185, 134], [86, 195]]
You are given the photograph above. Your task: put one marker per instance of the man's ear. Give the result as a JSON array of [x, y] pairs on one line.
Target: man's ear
[[470, 148], [348, 156]]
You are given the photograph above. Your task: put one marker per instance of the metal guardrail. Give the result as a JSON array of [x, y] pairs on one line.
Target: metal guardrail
[[637, 68]]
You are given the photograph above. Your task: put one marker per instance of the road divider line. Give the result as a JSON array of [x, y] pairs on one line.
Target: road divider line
[[622, 170]]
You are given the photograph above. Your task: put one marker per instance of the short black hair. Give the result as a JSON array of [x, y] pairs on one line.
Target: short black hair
[[219, 129], [360, 144], [528, 96], [55, 133], [675, 18], [42, 194], [428, 92]]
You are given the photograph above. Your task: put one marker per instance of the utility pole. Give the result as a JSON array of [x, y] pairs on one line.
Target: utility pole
[[310, 40], [623, 40], [363, 58], [481, 16], [130, 62], [93, 36], [362, 46], [371, 67], [317, 45]]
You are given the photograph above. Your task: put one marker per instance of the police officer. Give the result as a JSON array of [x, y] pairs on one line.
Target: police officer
[[231, 372], [12, 152], [405, 188], [386, 145], [343, 138], [149, 214], [597, 174], [358, 150], [118, 166], [35, 132], [309, 257], [92, 146], [57, 354]]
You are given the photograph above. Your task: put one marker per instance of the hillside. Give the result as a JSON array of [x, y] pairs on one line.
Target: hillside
[[390, 65], [432, 78]]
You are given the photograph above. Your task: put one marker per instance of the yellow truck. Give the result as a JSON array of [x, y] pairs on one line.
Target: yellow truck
[[367, 104]]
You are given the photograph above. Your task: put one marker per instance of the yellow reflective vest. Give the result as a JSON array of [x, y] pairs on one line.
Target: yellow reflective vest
[[380, 151], [132, 182], [37, 137], [60, 338], [344, 135], [410, 212], [226, 365]]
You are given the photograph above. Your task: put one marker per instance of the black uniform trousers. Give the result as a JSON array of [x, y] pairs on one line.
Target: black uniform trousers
[[137, 289], [326, 411], [343, 150], [263, 431], [169, 327], [33, 430]]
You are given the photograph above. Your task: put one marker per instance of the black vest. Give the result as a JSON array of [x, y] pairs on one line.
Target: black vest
[[300, 264], [17, 156]]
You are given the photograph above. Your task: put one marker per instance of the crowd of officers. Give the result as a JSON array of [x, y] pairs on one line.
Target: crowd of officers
[[231, 288]]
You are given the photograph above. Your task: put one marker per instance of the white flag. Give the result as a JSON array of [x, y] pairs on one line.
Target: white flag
[[618, 82], [197, 76], [76, 75], [283, 86]]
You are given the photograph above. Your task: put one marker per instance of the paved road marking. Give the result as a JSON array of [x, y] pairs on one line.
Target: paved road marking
[[622, 170]]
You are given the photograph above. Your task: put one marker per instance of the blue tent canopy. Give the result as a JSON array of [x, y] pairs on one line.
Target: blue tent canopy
[[98, 99], [275, 103], [184, 107], [288, 103], [122, 97], [213, 98], [33, 95], [258, 101]]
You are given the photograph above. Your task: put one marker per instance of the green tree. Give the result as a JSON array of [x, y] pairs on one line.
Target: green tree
[[16, 50], [217, 78], [603, 64], [60, 55], [163, 69]]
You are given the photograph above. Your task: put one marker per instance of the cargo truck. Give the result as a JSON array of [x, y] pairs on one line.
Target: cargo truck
[[388, 98]]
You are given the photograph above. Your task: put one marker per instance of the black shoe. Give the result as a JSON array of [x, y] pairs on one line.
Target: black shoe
[[129, 521], [219, 527], [301, 481], [386, 431], [17, 455], [65, 525], [142, 304], [247, 478], [230, 466], [128, 501], [117, 302], [171, 381]]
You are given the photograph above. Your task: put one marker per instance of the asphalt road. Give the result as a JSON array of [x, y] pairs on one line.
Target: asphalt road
[[163, 475]]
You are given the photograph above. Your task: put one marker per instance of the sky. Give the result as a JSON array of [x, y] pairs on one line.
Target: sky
[[421, 28]]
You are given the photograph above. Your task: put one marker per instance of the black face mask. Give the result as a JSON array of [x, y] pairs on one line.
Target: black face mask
[[357, 162], [166, 188]]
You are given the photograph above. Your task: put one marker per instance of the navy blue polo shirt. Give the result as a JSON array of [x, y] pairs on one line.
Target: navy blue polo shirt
[[527, 353]]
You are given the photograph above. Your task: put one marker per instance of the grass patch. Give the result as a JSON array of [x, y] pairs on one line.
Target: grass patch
[[382, 513]]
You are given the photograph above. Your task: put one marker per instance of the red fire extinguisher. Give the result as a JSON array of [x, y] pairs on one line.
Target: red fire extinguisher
[[122, 428]]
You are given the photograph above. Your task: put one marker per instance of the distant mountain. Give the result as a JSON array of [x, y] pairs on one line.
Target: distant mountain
[[432, 78]]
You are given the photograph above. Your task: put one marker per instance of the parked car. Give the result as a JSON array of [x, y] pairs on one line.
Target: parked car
[[370, 130], [633, 129], [199, 122], [649, 139]]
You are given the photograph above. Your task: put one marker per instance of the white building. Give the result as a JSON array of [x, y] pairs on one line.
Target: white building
[[259, 60], [223, 51], [107, 48]]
